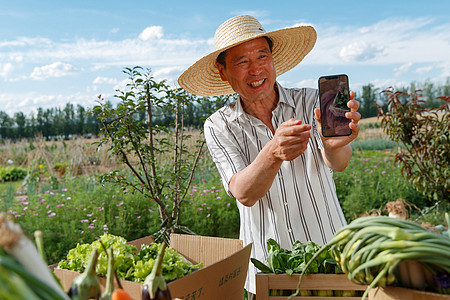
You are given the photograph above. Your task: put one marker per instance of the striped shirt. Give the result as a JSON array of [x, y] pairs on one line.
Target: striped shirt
[[301, 205]]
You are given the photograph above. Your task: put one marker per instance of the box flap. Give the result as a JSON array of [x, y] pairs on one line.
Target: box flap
[[204, 249], [224, 279]]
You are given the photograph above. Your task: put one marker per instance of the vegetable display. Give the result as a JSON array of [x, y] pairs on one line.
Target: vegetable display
[[281, 260], [129, 265], [284, 261], [109, 288], [24, 274], [382, 251], [155, 287], [86, 285]]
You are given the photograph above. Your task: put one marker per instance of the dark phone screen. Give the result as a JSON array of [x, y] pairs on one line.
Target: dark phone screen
[[334, 94]]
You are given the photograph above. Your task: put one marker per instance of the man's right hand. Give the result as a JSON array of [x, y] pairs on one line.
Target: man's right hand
[[290, 140], [252, 183]]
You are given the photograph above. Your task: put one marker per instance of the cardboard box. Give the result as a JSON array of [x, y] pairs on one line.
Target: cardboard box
[[223, 276], [398, 293], [267, 282]]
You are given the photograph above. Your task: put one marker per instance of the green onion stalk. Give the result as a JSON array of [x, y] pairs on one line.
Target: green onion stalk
[[385, 251]]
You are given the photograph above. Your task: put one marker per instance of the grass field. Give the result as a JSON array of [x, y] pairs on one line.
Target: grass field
[[63, 197]]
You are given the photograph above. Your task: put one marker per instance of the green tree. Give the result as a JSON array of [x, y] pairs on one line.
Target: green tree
[[423, 133], [368, 101], [68, 116], [6, 124], [40, 122], [80, 120], [158, 156], [20, 120]]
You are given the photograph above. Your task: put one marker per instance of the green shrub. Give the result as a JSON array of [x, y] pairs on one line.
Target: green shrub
[[12, 173], [373, 144]]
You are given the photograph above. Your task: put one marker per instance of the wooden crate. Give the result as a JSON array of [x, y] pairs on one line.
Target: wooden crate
[[399, 293], [267, 282]]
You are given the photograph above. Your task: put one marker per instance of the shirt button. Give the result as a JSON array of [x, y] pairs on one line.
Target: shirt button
[[285, 203], [289, 230]]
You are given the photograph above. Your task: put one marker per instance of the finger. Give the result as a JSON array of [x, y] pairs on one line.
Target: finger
[[354, 116], [354, 127], [353, 105], [317, 114], [295, 131], [291, 122], [300, 129], [352, 95], [288, 144]]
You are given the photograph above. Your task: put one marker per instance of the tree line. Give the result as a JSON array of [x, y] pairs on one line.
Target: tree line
[[71, 121]]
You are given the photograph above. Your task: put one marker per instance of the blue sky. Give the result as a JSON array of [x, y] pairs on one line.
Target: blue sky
[[56, 52]]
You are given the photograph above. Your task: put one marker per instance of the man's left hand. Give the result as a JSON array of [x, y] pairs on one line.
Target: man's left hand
[[353, 115]]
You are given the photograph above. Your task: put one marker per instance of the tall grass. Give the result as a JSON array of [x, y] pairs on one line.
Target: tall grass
[[82, 209], [371, 180]]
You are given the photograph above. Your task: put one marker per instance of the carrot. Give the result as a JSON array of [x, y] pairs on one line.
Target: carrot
[[120, 294]]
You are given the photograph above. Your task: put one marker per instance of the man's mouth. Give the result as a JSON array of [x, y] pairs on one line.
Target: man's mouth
[[256, 83]]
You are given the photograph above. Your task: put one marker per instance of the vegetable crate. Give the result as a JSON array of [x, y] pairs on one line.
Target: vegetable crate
[[397, 293], [313, 287]]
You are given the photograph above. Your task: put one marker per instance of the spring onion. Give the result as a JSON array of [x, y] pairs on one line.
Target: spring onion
[[382, 251], [24, 251]]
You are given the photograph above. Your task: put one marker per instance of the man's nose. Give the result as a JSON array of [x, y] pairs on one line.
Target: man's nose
[[255, 68]]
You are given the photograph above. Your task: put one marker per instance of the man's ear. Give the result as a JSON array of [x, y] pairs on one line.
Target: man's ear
[[220, 67]]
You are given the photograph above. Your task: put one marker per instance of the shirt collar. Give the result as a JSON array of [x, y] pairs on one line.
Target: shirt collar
[[283, 98]]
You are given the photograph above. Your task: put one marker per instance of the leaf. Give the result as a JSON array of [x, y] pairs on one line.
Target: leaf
[[261, 266]]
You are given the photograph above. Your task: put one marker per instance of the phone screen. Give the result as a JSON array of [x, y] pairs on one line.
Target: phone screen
[[334, 94]]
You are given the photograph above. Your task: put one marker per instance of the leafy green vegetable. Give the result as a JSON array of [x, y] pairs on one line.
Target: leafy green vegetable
[[174, 265], [281, 260], [130, 264]]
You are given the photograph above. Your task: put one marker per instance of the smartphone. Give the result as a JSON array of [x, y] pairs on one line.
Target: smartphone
[[334, 93]]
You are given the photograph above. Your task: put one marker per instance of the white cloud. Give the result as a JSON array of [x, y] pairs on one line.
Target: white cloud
[[360, 52], [424, 70], [25, 42], [29, 102], [387, 44], [258, 14], [390, 41], [151, 33], [16, 58], [302, 24], [5, 69], [105, 80], [402, 69], [307, 83], [122, 85], [57, 69], [170, 74]]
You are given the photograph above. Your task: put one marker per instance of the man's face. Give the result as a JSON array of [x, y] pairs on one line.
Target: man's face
[[250, 71]]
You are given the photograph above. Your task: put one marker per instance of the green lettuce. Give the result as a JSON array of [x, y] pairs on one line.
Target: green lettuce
[[130, 264]]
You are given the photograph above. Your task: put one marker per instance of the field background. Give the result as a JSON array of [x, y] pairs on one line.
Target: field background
[[63, 197]]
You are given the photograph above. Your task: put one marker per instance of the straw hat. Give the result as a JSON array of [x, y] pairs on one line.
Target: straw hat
[[290, 46]]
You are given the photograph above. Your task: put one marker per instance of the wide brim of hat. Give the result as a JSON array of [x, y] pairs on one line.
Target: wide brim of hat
[[290, 46]]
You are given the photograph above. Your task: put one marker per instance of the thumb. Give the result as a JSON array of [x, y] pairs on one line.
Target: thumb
[[317, 114]]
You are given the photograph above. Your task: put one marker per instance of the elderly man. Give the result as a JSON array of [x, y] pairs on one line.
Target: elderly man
[[267, 145]]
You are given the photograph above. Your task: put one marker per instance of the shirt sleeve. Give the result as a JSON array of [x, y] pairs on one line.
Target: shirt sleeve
[[224, 149]]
